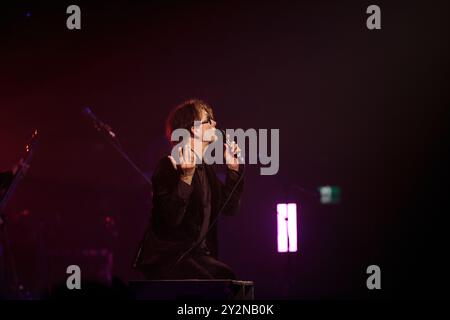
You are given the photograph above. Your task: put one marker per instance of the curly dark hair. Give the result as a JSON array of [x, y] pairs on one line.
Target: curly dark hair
[[184, 115]]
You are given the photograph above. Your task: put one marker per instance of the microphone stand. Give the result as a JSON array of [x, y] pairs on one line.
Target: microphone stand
[[112, 139]]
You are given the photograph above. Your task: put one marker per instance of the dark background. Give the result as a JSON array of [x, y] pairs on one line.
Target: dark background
[[364, 110]]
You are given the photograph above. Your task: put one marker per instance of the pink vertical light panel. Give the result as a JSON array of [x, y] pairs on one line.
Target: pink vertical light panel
[[287, 227]]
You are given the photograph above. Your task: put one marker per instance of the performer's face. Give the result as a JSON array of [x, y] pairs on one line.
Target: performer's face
[[208, 125]]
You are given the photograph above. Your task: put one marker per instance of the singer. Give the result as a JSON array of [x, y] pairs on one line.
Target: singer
[[187, 197]]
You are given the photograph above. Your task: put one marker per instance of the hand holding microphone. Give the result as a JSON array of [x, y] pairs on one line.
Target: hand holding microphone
[[232, 152]]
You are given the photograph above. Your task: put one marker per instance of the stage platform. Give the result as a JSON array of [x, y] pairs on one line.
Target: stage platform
[[192, 289]]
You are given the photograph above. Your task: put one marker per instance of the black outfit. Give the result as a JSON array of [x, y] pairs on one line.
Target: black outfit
[[181, 216]]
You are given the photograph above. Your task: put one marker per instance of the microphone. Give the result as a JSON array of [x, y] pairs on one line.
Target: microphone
[[97, 122], [230, 143]]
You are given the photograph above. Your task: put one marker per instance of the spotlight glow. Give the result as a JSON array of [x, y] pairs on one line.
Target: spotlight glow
[[287, 227]]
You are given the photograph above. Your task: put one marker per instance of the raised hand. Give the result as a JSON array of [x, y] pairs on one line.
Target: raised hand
[[231, 158], [186, 165]]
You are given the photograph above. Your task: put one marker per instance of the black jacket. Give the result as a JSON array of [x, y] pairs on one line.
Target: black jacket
[[177, 214]]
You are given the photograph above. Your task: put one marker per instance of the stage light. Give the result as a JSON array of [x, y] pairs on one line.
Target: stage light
[[287, 227]]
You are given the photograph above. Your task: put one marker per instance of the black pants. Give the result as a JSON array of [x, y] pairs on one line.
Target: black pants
[[196, 266]]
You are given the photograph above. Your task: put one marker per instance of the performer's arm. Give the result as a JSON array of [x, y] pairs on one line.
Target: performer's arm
[[172, 189]]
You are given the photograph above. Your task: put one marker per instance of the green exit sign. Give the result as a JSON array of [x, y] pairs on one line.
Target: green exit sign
[[330, 194]]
